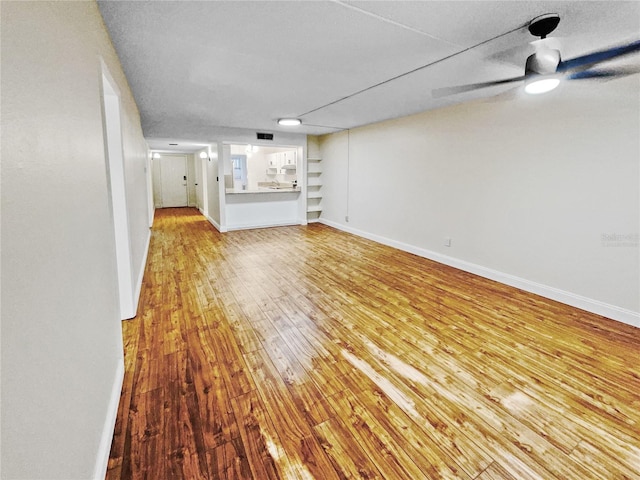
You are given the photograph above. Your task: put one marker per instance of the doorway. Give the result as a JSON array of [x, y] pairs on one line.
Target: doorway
[[173, 181]]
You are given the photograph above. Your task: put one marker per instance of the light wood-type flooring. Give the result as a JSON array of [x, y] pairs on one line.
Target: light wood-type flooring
[[305, 352]]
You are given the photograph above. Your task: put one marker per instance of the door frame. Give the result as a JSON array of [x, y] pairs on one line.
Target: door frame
[[114, 155]]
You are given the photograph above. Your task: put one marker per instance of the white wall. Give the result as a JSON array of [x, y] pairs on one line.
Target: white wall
[[191, 180], [198, 163], [156, 165], [61, 333], [256, 210], [214, 181], [525, 187], [313, 148]]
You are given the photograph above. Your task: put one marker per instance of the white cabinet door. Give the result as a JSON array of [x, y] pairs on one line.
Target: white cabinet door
[[273, 160], [290, 158]]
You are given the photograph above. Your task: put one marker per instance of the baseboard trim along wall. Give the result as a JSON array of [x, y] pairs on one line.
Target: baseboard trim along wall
[[590, 305], [261, 225], [104, 449], [215, 224]]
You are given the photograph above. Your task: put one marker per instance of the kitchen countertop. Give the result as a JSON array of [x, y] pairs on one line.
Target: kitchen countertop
[[263, 190]]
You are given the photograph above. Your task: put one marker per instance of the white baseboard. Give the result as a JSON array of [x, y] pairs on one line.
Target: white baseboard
[[152, 217], [590, 305], [261, 225], [104, 449], [215, 224]]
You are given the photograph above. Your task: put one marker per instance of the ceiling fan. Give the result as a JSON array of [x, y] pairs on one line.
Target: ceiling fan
[[544, 69]]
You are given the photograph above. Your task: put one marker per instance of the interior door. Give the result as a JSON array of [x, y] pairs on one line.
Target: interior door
[[173, 178]]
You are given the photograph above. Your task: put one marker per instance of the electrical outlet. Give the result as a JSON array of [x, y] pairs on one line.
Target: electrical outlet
[[346, 218], [447, 241]]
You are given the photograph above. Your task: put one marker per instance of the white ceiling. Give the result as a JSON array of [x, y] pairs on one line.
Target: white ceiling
[[195, 66]]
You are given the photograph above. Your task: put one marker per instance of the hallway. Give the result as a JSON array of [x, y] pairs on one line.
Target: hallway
[[306, 352]]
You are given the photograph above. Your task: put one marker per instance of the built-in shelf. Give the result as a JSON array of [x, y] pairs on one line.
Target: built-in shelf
[[314, 188], [313, 171]]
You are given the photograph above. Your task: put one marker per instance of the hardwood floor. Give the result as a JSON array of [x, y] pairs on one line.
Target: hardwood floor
[[305, 352]]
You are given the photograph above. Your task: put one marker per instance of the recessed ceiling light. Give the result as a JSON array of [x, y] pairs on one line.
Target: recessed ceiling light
[[289, 122], [542, 85]]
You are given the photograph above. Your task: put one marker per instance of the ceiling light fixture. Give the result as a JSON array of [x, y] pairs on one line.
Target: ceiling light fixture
[[289, 122], [156, 155], [541, 85]]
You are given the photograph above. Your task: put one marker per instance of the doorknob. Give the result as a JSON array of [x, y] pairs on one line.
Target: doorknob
[[184, 177]]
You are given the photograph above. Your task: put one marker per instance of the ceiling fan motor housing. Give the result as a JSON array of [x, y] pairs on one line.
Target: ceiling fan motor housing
[[544, 62]]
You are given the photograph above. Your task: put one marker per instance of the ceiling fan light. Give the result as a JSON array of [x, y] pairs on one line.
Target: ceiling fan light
[[289, 122], [541, 85]]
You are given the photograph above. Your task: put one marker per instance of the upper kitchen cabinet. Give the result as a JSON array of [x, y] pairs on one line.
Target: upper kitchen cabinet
[[284, 162]]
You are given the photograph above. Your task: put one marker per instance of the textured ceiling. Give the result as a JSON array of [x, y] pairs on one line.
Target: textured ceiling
[[196, 66]]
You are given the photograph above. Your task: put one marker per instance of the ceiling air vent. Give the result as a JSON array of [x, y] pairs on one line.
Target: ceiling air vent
[[264, 136]]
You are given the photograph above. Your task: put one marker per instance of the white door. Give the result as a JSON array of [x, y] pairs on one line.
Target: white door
[[173, 178]]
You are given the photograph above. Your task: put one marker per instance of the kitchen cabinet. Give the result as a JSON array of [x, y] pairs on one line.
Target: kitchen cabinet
[[282, 162], [289, 162]]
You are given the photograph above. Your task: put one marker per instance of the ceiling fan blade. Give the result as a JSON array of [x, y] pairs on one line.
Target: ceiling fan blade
[[603, 74], [586, 61], [443, 92]]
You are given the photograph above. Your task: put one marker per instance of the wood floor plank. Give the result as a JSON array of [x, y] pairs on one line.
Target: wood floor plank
[[541, 419], [386, 454], [495, 472], [229, 462], [347, 457], [146, 424], [227, 352], [428, 455], [266, 457], [306, 352], [622, 463], [294, 433], [439, 425], [214, 411]]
